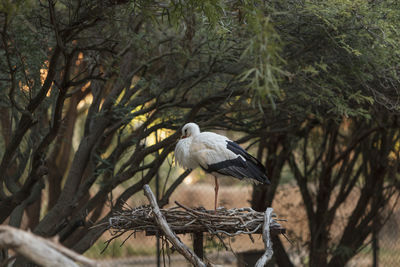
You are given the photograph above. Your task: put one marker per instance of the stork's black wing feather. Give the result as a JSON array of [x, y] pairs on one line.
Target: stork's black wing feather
[[238, 150], [244, 166]]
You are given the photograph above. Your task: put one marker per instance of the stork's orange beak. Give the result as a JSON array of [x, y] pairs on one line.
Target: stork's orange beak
[[183, 136]]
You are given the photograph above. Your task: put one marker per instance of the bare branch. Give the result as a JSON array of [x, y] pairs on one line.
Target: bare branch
[[32, 247], [266, 257], [165, 199], [171, 236]]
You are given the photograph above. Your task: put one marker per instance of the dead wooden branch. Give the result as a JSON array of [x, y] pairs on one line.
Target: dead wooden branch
[[40, 250], [45, 252], [266, 257], [171, 236]]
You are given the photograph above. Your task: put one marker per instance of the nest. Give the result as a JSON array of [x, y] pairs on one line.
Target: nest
[[182, 220]]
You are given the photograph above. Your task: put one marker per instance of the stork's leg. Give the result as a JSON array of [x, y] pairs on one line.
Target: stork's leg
[[216, 192]]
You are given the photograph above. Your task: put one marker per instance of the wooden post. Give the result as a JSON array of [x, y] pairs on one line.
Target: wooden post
[[198, 244]]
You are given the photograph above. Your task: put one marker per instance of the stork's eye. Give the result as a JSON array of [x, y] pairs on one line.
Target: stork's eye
[[185, 131]]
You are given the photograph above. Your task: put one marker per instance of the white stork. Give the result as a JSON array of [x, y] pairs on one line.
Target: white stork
[[218, 155]]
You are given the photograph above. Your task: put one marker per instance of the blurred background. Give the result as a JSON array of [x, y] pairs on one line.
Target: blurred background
[[93, 95]]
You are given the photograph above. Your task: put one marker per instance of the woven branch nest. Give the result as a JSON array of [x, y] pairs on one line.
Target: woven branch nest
[[182, 219]]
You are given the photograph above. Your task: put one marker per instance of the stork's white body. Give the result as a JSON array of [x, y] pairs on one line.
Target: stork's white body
[[202, 150], [217, 155]]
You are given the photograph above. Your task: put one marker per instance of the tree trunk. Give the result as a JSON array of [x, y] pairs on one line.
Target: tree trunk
[[319, 249]]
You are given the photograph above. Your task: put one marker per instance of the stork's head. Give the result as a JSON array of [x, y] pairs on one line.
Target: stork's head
[[190, 129]]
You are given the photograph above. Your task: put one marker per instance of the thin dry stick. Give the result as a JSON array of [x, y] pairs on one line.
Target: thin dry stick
[[267, 240], [171, 236]]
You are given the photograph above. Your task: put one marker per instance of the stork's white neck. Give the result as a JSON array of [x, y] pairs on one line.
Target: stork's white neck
[[195, 130], [191, 129]]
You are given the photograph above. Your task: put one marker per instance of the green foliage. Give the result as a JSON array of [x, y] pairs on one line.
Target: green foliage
[[11, 8], [25, 51], [336, 53], [263, 52], [209, 10], [177, 12]]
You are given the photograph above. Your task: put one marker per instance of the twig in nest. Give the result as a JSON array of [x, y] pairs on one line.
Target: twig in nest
[[109, 241]]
